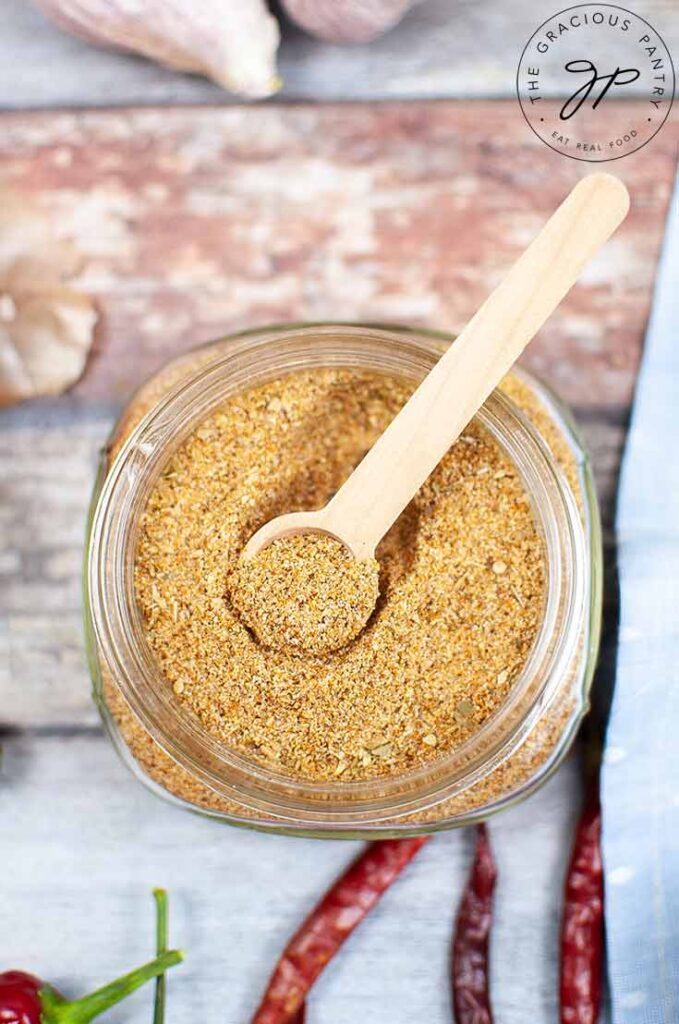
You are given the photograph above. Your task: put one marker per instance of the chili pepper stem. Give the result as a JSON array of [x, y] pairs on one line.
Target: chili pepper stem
[[160, 896], [56, 1010]]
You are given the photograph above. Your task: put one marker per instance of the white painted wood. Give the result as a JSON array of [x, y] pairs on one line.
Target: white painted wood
[[443, 48], [48, 460], [88, 843]]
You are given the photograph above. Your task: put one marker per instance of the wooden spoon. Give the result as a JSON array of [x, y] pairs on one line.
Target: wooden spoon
[[381, 486]]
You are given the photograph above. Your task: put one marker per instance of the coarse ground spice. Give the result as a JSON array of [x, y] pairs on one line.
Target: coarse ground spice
[[305, 594], [514, 773], [461, 585]]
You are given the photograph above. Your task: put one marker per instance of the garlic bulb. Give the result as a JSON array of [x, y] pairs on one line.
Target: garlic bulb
[[347, 21], [233, 42]]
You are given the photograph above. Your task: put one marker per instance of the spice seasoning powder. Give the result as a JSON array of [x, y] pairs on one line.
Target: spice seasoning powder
[[305, 592], [461, 585]]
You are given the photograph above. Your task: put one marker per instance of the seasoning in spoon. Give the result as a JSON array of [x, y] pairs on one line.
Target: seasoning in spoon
[[305, 593]]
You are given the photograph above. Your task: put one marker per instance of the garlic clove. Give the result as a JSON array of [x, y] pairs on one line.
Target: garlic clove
[[44, 349], [29, 252], [46, 327], [234, 42], [347, 21]]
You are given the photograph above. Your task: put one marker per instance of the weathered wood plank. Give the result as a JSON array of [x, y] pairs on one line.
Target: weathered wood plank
[[198, 222], [443, 48], [48, 456], [89, 843]]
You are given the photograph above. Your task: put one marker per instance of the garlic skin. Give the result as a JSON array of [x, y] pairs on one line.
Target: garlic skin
[[347, 21], [234, 42]]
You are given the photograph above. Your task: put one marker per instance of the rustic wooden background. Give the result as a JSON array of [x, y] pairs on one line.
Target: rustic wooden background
[[196, 221]]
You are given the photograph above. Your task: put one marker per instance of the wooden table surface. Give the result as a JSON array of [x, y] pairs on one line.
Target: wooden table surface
[[194, 223]]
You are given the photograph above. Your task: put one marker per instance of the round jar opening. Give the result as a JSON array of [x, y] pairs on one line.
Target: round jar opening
[[251, 360]]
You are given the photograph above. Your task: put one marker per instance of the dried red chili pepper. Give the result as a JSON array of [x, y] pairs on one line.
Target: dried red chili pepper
[[582, 940], [329, 925], [471, 996]]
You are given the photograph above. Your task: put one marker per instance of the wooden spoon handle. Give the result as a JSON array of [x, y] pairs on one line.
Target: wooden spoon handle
[[411, 447]]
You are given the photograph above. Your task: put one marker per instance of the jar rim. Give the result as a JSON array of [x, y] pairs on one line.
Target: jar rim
[[250, 359]]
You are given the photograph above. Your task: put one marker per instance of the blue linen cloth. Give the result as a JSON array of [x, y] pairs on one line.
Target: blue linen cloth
[[640, 775]]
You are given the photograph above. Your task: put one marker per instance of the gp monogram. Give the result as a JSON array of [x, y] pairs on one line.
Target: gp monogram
[[581, 59]]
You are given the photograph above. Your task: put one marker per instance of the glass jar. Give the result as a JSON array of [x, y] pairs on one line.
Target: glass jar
[[510, 755]]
